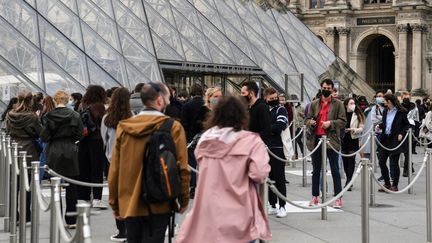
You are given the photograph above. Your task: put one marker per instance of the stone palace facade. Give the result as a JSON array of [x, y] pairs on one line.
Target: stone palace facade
[[387, 42]]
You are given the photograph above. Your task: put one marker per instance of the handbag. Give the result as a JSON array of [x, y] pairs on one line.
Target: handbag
[[424, 131]]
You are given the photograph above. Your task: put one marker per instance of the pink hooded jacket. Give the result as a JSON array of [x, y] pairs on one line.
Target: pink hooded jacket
[[227, 207]]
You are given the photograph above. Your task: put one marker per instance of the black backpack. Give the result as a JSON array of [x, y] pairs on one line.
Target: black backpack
[[161, 180], [89, 126]]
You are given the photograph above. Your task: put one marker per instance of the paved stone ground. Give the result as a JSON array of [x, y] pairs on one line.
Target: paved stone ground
[[399, 218]]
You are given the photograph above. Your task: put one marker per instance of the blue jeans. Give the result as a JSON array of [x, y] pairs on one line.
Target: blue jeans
[[333, 159]]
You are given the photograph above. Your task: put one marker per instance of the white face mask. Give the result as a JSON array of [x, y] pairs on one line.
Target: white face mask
[[351, 108]]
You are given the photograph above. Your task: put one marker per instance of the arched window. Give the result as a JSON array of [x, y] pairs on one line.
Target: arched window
[[316, 4]]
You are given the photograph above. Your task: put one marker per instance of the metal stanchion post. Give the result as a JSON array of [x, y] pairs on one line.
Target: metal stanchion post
[[35, 203], [304, 181], [83, 230], [294, 130], [373, 164], [365, 200], [22, 197], [7, 154], [324, 176], [263, 190], [429, 195], [410, 147], [3, 182], [55, 197], [13, 196]]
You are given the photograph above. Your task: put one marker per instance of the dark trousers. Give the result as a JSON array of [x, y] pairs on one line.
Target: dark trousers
[[193, 163], [28, 200], [138, 229], [277, 174], [333, 158], [299, 141], [120, 224], [121, 227], [71, 201], [349, 166], [394, 166], [406, 161], [91, 164]]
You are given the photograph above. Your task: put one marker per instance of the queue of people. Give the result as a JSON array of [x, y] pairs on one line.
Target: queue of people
[[107, 132]]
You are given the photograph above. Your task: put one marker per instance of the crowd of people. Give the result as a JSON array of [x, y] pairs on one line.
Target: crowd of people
[[106, 133]]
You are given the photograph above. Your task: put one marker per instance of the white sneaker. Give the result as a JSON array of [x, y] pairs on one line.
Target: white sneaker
[[281, 213], [176, 229], [272, 211], [99, 204]]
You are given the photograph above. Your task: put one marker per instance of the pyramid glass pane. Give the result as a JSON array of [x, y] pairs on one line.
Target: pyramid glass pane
[[73, 43], [62, 18]]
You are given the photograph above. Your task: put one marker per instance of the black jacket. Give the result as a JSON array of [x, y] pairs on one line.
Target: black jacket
[[400, 126], [279, 122], [260, 120], [25, 128], [189, 117], [62, 128], [174, 109]]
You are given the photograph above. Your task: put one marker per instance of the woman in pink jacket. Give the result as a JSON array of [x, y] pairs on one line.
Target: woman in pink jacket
[[231, 161]]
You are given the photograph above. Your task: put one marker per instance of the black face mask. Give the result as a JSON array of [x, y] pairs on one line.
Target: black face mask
[[406, 101], [325, 93], [247, 98], [273, 103]]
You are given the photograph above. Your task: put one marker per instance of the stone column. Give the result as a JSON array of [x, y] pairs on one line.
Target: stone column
[[343, 43], [330, 39], [403, 59], [417, 49]]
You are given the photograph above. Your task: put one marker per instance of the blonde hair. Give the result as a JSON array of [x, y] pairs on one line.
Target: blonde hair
[[209, 93], [61, 97]]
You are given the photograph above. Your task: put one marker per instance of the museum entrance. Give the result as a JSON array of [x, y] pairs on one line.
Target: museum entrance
[[380, 62]]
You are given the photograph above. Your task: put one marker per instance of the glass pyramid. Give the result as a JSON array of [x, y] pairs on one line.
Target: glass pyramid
[[49, 45]]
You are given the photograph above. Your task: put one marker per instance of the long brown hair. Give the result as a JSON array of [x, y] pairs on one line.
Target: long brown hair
[[94, 94], [48, 105], [230, 111], [394, 100], [25, 102], [357, 110], [119, 108]]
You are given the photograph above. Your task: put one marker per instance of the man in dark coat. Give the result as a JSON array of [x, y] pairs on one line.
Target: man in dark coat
[[259, 113], [193, 125]]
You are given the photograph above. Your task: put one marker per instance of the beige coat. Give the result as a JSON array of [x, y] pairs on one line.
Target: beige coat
[[356, 126]]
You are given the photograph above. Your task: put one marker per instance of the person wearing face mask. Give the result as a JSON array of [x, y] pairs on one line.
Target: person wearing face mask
[[125, 175], [326, 118], [414, 120], [279, 122], [353, 130], [394, 126], [373, 118], [259, 114]]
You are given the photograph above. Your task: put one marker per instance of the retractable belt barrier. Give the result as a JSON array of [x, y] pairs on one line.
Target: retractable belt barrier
[[13, 167]]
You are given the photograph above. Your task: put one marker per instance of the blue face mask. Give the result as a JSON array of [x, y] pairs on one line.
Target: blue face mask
[[379, 100], [70, 105]]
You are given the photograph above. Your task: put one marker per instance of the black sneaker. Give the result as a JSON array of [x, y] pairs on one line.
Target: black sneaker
[[118, 238]]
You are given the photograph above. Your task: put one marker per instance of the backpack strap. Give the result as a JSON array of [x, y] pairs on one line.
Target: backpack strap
[[167, 125]]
